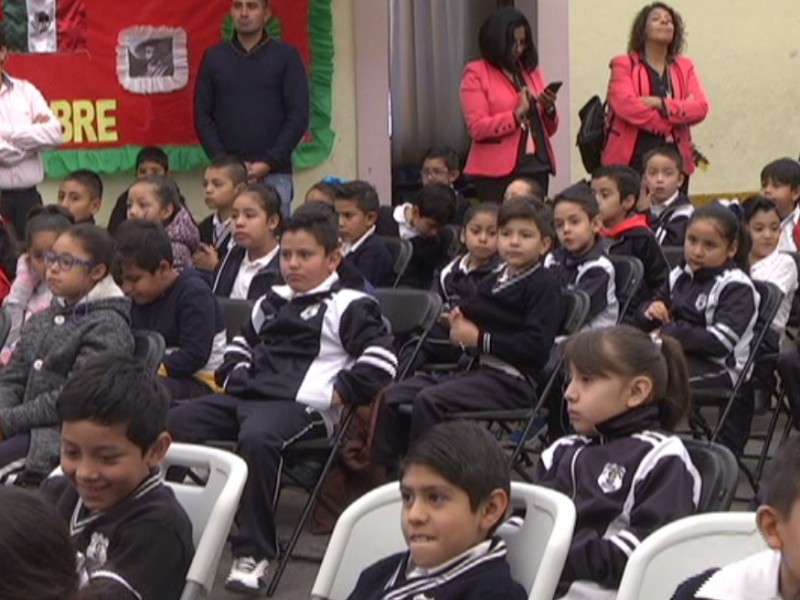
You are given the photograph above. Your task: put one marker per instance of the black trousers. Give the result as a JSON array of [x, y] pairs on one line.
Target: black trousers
[[434, 397], [262, 431], [789, 370], [16, 204], [184, 388]]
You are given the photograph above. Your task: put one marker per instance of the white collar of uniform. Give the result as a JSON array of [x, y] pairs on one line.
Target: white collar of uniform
[[792, 218], [767, 259], [470, 554], [756, 576], [287, 293], [659, 209], [219, 224], [406, 230], [350, 248], [262, 262]]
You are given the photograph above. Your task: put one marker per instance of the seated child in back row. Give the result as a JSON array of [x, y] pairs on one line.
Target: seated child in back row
[[156, 198], [780, 182], [627, 233], [580, 261], [455, 489], [223, 179], [81, 193], [128, 528], [442, 165], [177, 304], [670, 208], [357, 205], [311, 346], [624, 470], [509, 324], [710, 306], [773, 573]]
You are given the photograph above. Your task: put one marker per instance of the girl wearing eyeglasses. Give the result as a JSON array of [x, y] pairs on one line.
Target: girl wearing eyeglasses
[[88, 315]]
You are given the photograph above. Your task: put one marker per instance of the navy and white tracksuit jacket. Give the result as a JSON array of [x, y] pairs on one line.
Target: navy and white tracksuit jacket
[[670, 221], [626, 482], [713, 314], [302, 347]]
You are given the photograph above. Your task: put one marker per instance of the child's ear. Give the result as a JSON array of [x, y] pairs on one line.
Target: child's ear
[[629, 203], [238, 188], [681, 178], [493, 510], [733, 248], [94, 205], [547, 244], [155, 455], [641, 388], [273, 222], [453, 175], [768, 520], [98, 272], [597, 224], [164, 267], [371, 218], [796, 193], [334, 259]]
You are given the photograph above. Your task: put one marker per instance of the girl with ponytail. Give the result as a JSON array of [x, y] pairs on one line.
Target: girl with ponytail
[[625, 471]]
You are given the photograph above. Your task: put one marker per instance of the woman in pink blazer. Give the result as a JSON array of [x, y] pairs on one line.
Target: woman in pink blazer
[[510, 115], [654, 94]]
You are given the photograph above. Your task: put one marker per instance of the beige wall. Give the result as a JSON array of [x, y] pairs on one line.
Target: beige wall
[[342, 161], [747, 54]]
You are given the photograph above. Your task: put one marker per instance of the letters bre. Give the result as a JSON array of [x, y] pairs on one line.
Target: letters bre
[[87, 121]]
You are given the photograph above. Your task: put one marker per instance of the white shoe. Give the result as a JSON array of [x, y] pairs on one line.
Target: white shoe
[[247, 576]]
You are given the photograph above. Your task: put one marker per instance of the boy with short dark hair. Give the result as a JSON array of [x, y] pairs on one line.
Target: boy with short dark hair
[[626, 232], [780, 181], [81, 193], [772, 573], [670, 208], [223, 179], [357, 205], [177, 304], [129, 530], [442, 165], [580, 261], [456, 488], [509, 325], [310, 346]]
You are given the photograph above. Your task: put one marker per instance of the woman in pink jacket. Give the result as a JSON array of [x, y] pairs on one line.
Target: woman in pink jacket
[[654, 94], [510, 115]]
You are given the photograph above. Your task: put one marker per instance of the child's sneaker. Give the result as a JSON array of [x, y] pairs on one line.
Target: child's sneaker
[[247, 576]]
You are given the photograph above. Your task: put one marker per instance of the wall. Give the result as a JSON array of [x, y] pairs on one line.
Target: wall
[[342, 161], [747, 55]]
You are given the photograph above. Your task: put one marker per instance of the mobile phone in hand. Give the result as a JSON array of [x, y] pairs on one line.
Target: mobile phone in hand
[[554, 86]]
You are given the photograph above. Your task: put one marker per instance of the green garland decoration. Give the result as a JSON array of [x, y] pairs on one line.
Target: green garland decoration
[[59, 163]]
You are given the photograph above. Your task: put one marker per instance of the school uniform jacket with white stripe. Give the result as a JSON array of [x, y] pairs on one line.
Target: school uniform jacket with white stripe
[[625, 482], [302, 347], [756, 577], [594, 274], [671, 220], [480, 573], [713, 314]]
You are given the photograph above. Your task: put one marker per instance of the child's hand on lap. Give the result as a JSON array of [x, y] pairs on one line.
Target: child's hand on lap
[[658, 311], [462, 330]]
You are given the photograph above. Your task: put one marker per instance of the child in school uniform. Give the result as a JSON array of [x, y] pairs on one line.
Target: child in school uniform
[[670, 208], [780, 182], [89, 315], [580, 261], [251, 267], [156, 198], [509, 324], [324, 191], [178, 305], [81, 193], [223, 179], [130, 531], [773, 573], [710, 306], [357, 205], [442, 165], [625, 471], [311, 346], [455, 487], [29, 293], [626, 232]]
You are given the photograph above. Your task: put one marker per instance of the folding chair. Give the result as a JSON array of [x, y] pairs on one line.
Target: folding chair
[[576, 308], [674, 255], [5, 327], [149, 346], [211, 508], [719, 472], [237, 313], [628, 277], [536, 551], [401, 252], [408, 311], [685, 548]]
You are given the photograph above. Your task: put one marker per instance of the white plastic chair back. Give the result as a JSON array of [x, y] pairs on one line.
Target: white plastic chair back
[[685, 548], [370, 530]]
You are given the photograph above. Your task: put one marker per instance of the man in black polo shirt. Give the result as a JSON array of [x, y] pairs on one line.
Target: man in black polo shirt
[[252, 99]]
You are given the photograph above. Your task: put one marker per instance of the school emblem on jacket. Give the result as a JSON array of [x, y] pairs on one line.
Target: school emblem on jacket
[[310, 312], [610, 479], [700, 303], [97, 550]]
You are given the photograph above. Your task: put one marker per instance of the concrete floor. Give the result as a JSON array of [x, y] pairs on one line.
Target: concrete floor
[[298, 579]]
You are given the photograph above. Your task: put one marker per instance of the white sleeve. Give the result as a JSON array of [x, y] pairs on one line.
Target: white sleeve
[[27, 137]]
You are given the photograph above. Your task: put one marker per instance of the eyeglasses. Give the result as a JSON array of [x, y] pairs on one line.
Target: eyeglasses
[[427, 173], [65, 261]]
